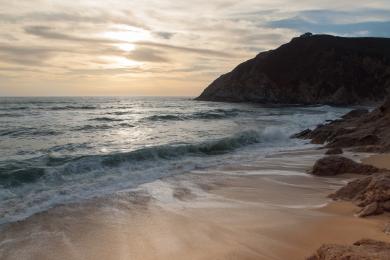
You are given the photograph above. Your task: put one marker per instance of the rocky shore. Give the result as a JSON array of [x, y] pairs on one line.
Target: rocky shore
[[363, 249], [359, 130]]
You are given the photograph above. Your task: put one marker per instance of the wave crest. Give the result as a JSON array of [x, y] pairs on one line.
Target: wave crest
[[28, 131], [106, 119], [212, 114], [63, 166]]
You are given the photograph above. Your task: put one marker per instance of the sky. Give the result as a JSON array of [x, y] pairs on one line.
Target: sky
[[157, 47]]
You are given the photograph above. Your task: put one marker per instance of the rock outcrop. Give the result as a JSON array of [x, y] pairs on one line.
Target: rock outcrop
[[372, 193], [335, 165], [366, 131], [364, 249], [311, 69], [359, 129]]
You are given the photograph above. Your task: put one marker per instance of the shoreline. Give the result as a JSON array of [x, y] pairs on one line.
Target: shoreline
[[217, 214]]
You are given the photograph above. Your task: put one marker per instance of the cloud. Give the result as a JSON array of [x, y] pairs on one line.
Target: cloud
[[148, 55], [164, 35], [18, 69], [355, 22], [94, 16], [378, 29], [192, 41], [105, 72], [216, 53], [53, 34], [8, 36], [345, 16], [27, 55]]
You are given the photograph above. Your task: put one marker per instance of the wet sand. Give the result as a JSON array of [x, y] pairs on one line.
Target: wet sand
[[268, 210]]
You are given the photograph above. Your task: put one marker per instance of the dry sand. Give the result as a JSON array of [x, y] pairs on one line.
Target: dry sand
[[379, 160], [201, 215]]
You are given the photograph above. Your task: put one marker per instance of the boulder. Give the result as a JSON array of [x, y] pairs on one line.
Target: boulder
[[371, 192], [370, 209], [385, 108], [353, 190], [386, 205], [334, 151], [335, 165], [354, 140], [366, 249], [386, 229]]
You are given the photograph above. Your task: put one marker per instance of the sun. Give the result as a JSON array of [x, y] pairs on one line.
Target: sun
[[128, 47], [124, 38], [117, 62]]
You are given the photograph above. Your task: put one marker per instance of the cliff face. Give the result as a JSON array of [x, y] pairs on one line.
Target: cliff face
[[317, 69]]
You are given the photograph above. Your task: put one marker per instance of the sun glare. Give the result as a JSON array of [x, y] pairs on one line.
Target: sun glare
[[120, 62], [128, 47], [126, 36]]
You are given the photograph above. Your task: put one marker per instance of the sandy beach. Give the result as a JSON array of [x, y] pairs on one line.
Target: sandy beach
[[270, 211], [379, 160]]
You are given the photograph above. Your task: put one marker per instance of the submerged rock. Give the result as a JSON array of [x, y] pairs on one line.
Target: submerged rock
[[364, 249], [355, 113], [335, 165], [334, 151], [316, 69], [304, 134]]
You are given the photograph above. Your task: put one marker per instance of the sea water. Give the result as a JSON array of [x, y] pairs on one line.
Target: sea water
[[58, 150]]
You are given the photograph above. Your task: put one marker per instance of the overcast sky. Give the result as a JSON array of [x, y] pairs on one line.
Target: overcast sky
[[157, 47]]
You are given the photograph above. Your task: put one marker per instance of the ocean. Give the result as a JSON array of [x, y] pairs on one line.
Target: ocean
[[60, 150]]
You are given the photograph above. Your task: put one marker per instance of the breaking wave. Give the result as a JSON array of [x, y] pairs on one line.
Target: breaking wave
[[18, 173]]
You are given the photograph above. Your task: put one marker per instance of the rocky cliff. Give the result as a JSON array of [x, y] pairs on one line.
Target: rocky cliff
[[311, 69]]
